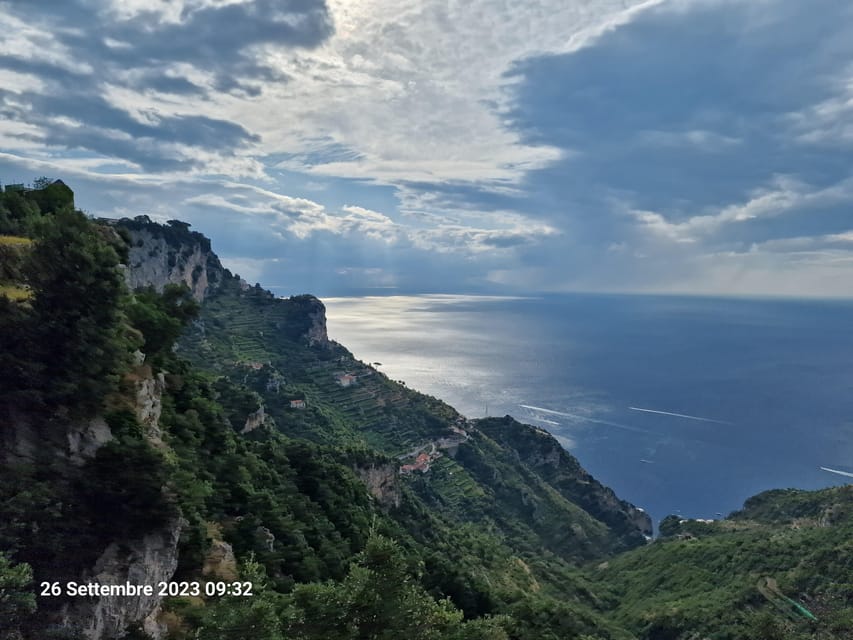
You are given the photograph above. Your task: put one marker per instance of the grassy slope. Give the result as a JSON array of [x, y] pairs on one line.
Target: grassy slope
[[706, 586], [495, 519], [484, 483], [705, 577], [13, 251]]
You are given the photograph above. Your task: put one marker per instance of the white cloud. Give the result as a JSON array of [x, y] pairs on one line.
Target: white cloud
[[828, 122], [28, 42], [803, 244], [18, 82], [783, 196], [446, 238], [416, 87], [169, 11], [371, 223], [302, 218]]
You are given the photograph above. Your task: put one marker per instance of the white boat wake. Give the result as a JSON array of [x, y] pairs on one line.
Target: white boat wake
[[841, 473], [679, 415], [544, 410], [584, 418]]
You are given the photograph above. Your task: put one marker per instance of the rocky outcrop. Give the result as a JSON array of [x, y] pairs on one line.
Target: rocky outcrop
[[382, 483], [84, 440], [220, 562], [149, 406], [540, 451], [69, 443], [254, 420], [147, 561], [27, 437], [170, 254], [317, 334], [314, 314]]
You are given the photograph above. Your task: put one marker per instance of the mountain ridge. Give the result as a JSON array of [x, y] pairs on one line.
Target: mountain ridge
[[168, 420]]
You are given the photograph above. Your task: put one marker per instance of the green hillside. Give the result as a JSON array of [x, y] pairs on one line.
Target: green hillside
[[757, 574], [199, 429]]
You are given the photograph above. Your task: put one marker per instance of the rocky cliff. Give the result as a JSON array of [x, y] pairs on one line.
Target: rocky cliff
[[68, 445], [382, 482], [28, 437], [148, 560], [170, 254], [312, 477], [540, 451], [317, 335]]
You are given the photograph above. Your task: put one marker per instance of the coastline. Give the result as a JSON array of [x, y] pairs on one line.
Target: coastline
[[461, 349]]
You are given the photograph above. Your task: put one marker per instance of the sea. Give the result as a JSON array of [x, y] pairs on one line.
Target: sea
[[683, 405]]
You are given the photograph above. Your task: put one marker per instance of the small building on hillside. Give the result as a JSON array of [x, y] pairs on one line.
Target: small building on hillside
[[346, 379], [297, 404], [421, 464]]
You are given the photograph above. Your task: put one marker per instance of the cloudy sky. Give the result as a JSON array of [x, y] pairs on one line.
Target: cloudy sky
[[477, 146]]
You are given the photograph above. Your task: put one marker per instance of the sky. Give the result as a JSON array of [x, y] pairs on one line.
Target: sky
[[351, 147]]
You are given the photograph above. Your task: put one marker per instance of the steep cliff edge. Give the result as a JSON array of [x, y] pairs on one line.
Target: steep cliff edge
[[148, 560], [70, 447], [27, 438], [249, 335], [170, 254], [259, 447], [382, 482], [541, 452]]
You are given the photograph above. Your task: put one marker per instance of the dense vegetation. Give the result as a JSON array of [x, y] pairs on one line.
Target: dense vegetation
[[711, 578], [505, 536]]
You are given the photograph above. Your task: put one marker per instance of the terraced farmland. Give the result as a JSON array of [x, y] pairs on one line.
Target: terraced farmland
[[249, 329]]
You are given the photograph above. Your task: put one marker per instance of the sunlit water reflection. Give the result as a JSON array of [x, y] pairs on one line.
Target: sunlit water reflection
[[772, 380]]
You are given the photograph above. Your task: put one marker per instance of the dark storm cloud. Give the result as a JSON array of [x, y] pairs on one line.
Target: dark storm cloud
[[684, 112], [108, 130], [221, 40], [168, 84], [41, 69], [140, 53], [199, 131]]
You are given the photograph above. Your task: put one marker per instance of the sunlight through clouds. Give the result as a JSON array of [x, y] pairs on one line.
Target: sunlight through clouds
[[496, 145]]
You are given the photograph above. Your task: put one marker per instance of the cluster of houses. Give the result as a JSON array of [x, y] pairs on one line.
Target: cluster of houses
[[421, 463], [423, 459]]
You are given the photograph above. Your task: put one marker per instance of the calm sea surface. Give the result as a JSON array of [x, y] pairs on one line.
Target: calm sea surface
[[764, 387]]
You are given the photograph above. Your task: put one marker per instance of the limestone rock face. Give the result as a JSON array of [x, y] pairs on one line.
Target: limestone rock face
[[170, 254], [317, 334], [254, 420], [26, 436], [220, 562], [146, 561], [85, 440], [382, 482], [149, 406]]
